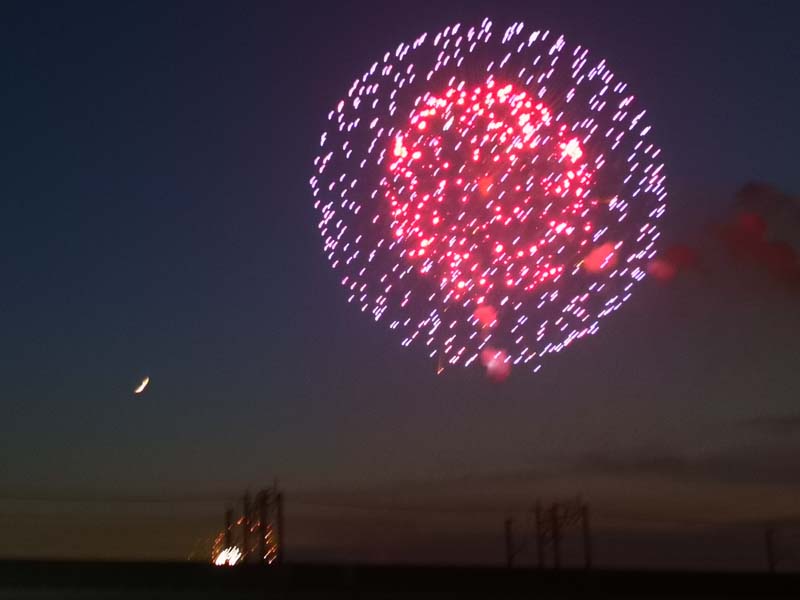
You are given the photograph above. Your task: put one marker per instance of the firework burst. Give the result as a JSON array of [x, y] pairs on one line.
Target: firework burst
[[490, 196]]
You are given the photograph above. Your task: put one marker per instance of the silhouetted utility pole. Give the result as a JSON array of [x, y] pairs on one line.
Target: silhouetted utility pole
[[587, 536], [512, 548], [262, 516], [769, 546], [245, 526], [229, 528], [263, 520], [540, 535], [280, 530], [509, 544], [550, 524], [555, 532]]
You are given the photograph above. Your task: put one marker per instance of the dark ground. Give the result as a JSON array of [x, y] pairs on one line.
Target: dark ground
[[41, 579]]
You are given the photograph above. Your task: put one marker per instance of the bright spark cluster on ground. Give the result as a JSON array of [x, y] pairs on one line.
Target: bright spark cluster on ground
[[228, 557], [490, 197]]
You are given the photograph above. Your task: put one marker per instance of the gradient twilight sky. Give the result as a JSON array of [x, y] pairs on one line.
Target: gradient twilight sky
[[158, 221]]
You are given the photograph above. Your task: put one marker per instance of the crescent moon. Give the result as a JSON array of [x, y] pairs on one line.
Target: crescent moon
[[142, 385]]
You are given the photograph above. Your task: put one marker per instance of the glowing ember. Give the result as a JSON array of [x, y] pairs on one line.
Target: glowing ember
[[486, 315], [482, 191], [601, 258], [496, 363]]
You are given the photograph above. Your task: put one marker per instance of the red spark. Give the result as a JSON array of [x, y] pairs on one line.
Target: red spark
[[601, 258], [496, 363], [486, 315]]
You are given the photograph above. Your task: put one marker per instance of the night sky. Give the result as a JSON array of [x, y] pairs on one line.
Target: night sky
[[157, 220]]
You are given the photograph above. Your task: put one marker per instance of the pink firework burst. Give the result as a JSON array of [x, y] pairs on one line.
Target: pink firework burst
[[484, 188], [489, 195]]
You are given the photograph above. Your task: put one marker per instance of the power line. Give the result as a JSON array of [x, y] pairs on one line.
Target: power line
[[117, 499], [605, 518], [416, 508]]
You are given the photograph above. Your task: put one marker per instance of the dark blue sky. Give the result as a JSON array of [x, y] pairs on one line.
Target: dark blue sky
[[157, 220]]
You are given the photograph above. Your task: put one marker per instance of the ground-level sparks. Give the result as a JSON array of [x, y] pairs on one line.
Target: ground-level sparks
[[228, 557]]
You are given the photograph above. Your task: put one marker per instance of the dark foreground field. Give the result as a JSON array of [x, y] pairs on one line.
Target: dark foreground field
[[28, 579]]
